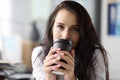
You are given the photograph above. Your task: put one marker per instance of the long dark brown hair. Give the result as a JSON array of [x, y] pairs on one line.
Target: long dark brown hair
[[88, 42]]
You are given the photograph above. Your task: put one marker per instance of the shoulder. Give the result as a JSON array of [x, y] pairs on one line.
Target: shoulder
[[37, 52], [37, 65], [99, 54], [100, 65]]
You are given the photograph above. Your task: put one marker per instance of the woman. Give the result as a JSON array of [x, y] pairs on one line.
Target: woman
[[86, 61]]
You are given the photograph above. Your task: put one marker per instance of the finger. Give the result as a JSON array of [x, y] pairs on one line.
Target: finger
[[49, 63], [48, 58], [65, 71], [48, 69], [58, 69], [68, 68], [66, 53], [69, 55], [52, 51], [52, 60], [66, 56], [73, 53], [66, 59]]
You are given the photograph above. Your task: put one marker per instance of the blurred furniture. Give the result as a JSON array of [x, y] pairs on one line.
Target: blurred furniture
[[14, 72]]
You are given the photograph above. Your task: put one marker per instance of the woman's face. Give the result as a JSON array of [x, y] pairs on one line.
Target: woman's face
[[66, 27]]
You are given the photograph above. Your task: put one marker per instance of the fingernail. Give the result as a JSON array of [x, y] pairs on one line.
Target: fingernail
[[53, 68], [58, 49], [58, 58], [62, 53], [53, 61], [55, 55], [58, 65]]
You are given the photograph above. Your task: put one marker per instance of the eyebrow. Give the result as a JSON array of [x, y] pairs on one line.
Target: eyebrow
[[64, 24], [75, 25], [60, 23]]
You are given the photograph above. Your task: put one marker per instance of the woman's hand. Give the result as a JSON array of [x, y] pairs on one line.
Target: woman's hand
[[54, 56], [69, 67], [50, 59]]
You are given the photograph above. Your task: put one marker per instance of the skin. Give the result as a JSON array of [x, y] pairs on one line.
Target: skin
[[65, 27]]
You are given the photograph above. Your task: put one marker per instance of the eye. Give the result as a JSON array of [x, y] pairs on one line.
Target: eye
[[75, 30], [61, 27]]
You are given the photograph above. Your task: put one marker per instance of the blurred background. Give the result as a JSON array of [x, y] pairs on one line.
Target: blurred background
[[22, 27]]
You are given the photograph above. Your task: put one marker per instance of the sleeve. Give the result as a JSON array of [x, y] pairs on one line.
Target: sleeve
[[37, 65], [100, 66]]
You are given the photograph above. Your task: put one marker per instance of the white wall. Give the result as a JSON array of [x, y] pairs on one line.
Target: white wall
[[111, 43], [21, 17], [15, 17]]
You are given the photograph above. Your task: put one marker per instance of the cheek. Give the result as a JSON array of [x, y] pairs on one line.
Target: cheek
[[56, 34], [75, 40]]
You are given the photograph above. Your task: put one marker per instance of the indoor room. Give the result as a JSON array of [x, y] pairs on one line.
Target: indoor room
[[23, 24]]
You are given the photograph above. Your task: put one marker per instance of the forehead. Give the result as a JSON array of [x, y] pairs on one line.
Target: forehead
[[66, 16]]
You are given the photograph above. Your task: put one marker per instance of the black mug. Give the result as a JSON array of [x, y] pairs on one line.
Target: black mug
[[65, 45]]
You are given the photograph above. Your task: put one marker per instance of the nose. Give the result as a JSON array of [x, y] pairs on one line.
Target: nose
[[66, 35]]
